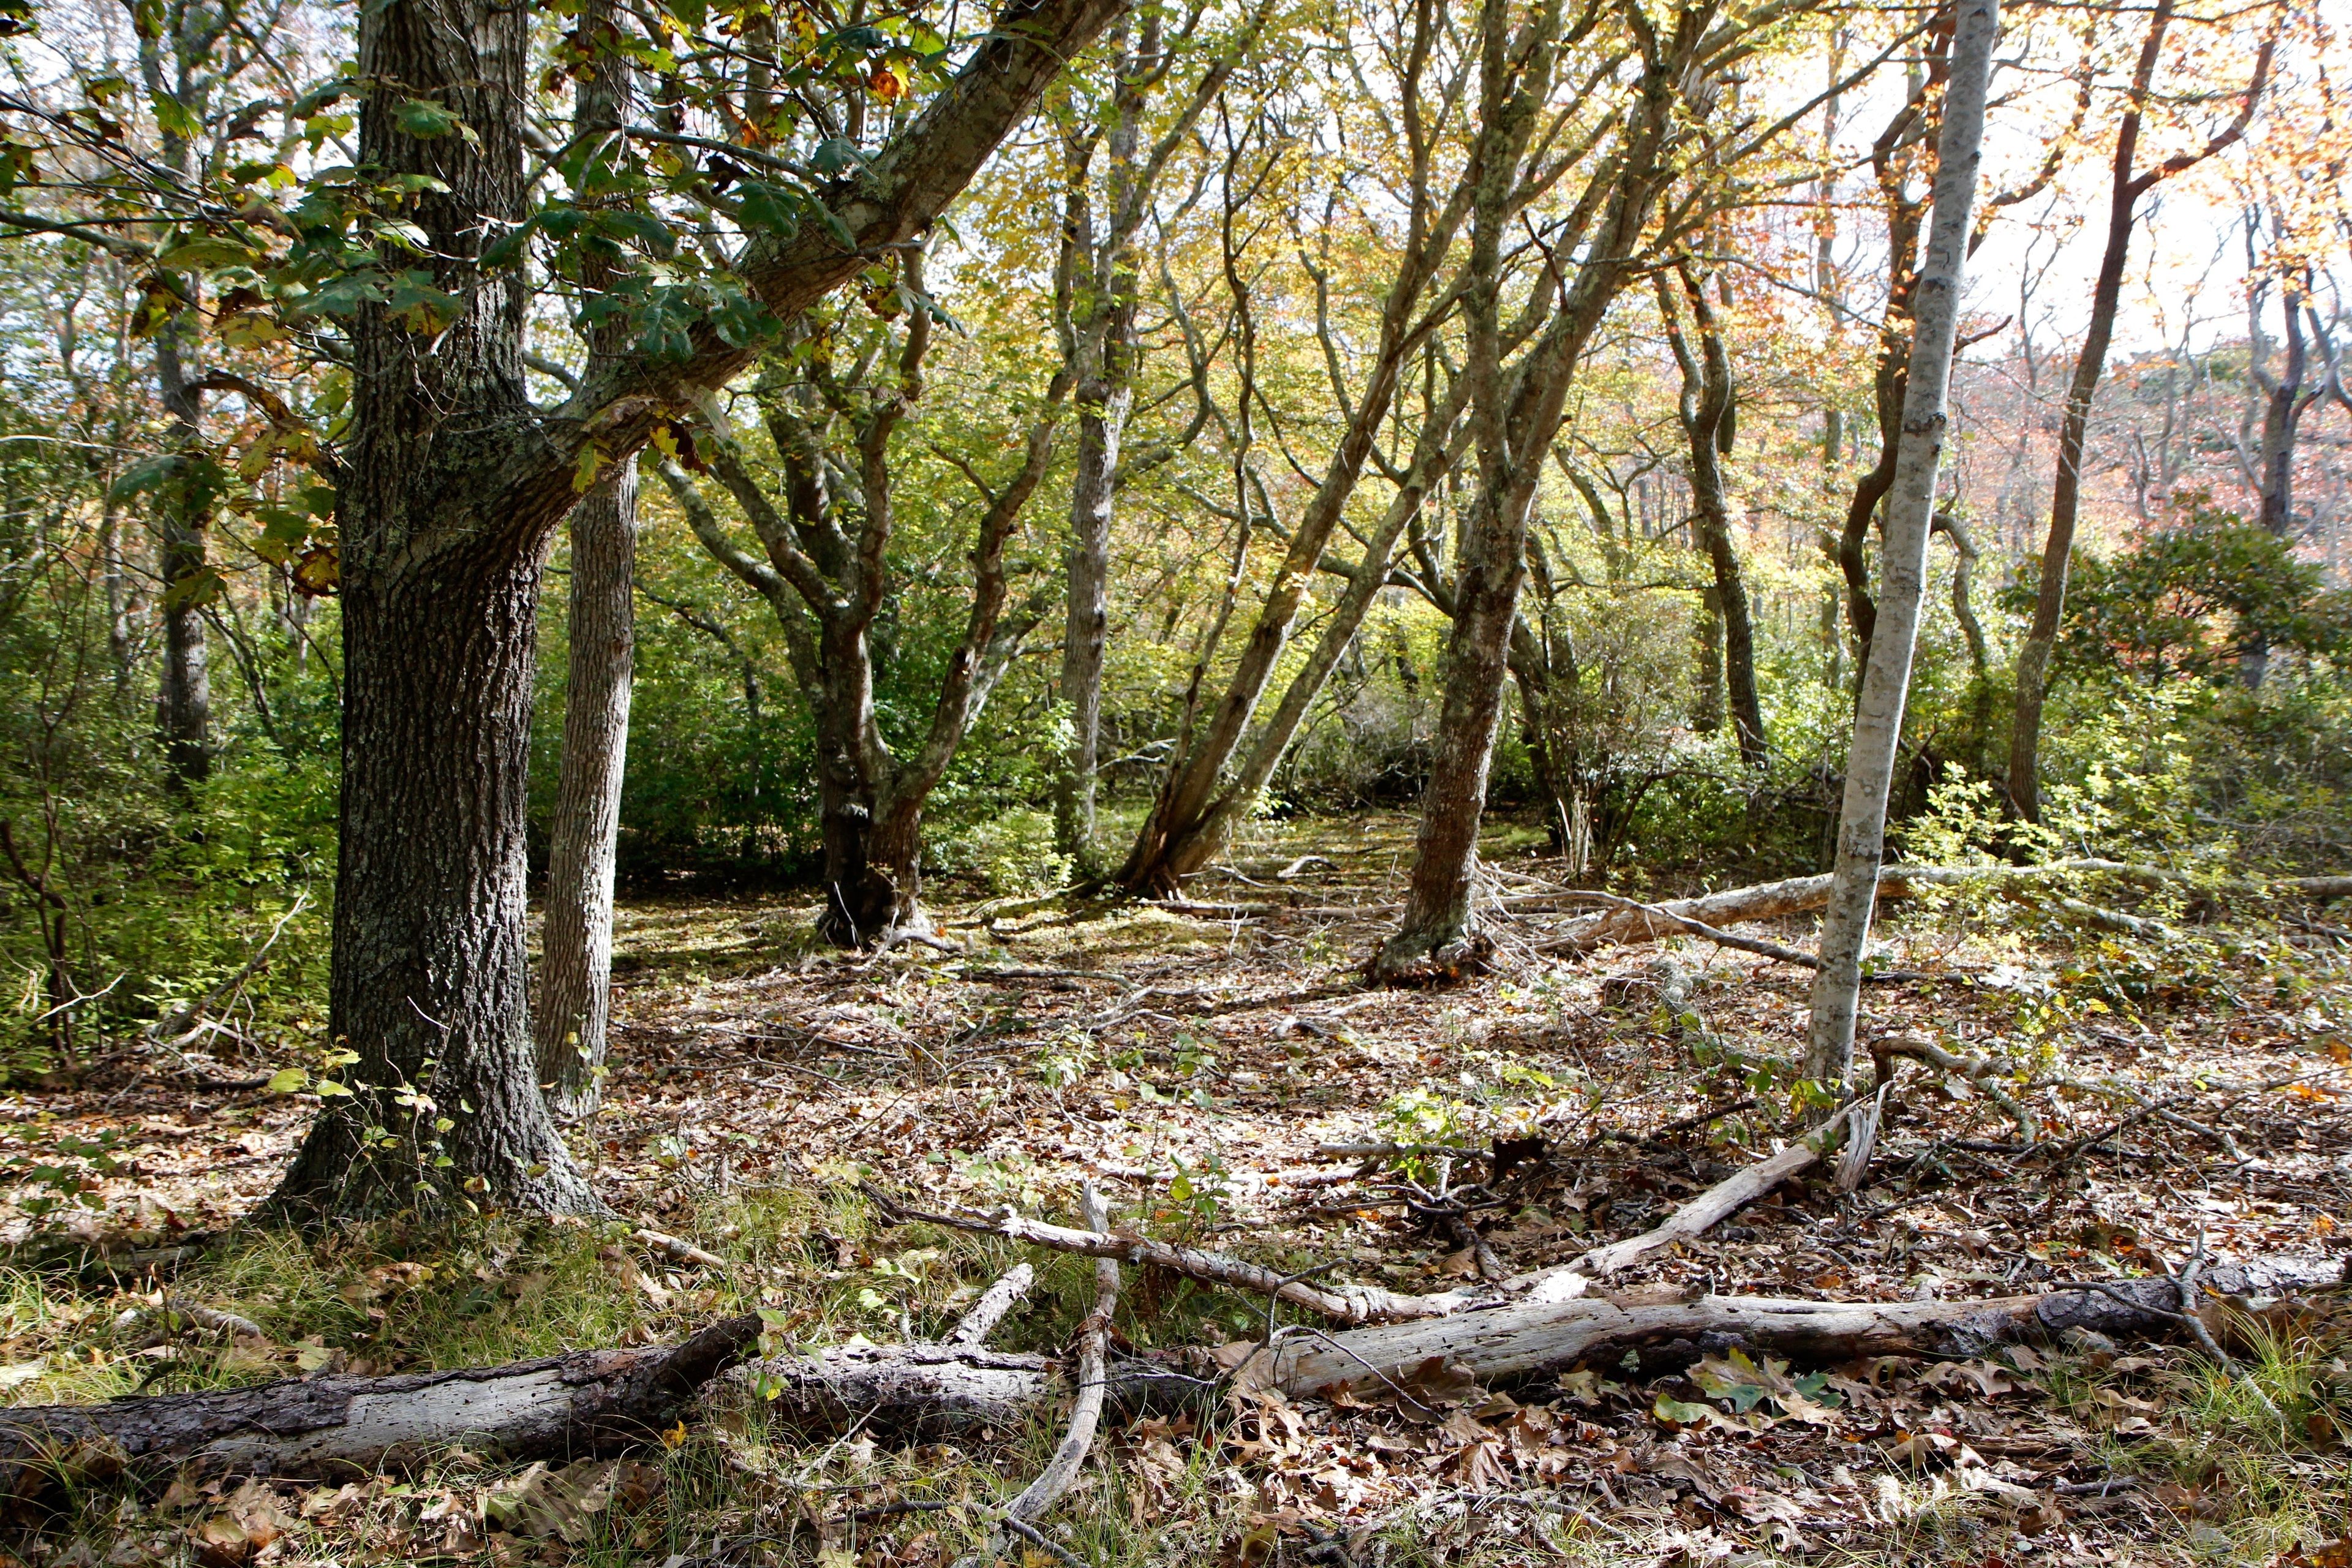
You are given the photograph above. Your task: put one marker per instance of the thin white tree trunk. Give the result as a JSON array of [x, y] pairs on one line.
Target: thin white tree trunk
[[1878, 717], [576, 967]]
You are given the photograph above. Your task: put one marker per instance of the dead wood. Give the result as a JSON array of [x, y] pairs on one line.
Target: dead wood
[[565, 1407], [937, 1389], [1061, 1472], [1801, 895], [1978, 1072], [1528, 1340], [975, 1327], [1373, 1303]]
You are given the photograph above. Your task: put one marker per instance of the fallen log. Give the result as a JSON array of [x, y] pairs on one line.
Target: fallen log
[[567, 1406], [1801, 895], [596, 1401], [930, 1391]]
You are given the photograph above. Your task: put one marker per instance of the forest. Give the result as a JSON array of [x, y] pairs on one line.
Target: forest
[[1360, 783]]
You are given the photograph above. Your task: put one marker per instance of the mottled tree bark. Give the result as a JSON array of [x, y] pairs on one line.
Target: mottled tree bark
[[184, 693], [1706, 413], [1514, 418], [1879, 715], [575, 969]]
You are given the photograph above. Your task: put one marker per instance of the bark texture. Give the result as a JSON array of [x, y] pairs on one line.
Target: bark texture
[[1878, 717], [562, 1407], [453, 484], [183, 692], [1706, 419], [575, 972]]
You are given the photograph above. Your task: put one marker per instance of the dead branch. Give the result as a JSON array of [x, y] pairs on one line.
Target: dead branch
[[975, 1327], [1022, 1514], [1801, 895], [1374, 1303], [562, 1407], [679, 1251], [1978, 1072]]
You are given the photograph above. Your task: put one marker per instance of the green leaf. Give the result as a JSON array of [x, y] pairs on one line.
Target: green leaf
[[328, 1089], [772, 209], [287, 1081], [424, 120], [1680, 1413], [584, 471], [174, 118], [836, 155]]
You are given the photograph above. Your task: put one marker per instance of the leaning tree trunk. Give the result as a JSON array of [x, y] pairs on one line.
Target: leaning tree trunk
[[1878, 717], [2065, 497], [1706, 418], [576, 944], [1516, 418]]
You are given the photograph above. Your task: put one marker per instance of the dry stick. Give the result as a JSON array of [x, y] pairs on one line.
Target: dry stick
[[1771, 950], [1346, 1303], [179, 1025], [975, 1327], [1372, 1304], [1061, 1471], [197, 1312], [1978, 1070], [679, 1251], [2186, 1283]]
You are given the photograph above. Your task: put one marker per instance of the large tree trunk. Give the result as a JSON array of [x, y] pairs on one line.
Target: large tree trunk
[[1102, 422], [440, 582], [453, 484], [430, 986], [1514, 420], [576, 942], [563, 1407], [1878, 717]]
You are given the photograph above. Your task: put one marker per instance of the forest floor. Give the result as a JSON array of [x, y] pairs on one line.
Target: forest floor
[[1190, 1060]]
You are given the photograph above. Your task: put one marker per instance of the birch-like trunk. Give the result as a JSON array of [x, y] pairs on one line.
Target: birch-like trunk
[[575, 970], [1878, 717]]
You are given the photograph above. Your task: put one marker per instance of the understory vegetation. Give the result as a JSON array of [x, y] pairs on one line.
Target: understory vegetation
[[1340, 783]]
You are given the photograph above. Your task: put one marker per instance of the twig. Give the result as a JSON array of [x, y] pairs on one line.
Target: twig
[[679, 1251]]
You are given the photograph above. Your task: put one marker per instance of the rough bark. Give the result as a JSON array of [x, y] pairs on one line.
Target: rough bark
[[1878, 716], [453, 484], [183, 692], [561, 1407], [576, 942], [440, 582]]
